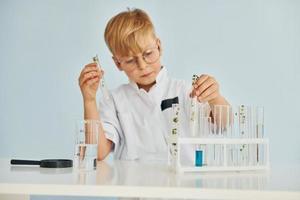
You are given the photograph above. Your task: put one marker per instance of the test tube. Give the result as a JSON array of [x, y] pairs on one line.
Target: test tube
[[250, 116], [250, 154], [254, 154], [259, 132], [261, 154], [204, 126], [252, 133], [240, 155], [260, 122], [199, 155], [242, 121], [204, 131], [236, 151], [215, 132], [242, 134], [236, 123], [172, 142], [102, 82], [229, 122], [193, 111], [209, 155], [222, 115], [226, 121], [249, 122], [231, 155], [218, 154]]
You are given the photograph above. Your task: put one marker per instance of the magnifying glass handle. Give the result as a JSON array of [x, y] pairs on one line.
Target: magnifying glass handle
[[25, 162]]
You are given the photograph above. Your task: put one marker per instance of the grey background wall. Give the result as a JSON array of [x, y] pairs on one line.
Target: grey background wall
[[251, 47]]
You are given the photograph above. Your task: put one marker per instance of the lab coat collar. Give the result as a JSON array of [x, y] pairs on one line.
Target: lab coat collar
[[162, 75]]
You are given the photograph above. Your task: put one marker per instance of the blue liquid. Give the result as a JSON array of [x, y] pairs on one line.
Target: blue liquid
[[199, 158]]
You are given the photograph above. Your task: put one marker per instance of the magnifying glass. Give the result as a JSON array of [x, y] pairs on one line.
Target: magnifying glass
[[47, 163]]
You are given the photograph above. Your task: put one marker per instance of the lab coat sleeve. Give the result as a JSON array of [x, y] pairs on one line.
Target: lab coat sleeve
[[110, 122]]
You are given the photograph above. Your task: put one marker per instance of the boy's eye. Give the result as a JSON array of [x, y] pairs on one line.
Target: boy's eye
[[148, 53], [130, 61]]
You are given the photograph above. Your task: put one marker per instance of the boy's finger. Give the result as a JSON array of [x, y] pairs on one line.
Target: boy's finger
[[89, 68], [194, 92], [92, 81], [83, 81], [92, 72], [200, 80], [89, 82], [209, 97], [206, 84], [91, 65], [212, 89], [89, 76]]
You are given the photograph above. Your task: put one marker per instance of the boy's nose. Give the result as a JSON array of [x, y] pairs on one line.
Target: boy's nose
[[141, 63]]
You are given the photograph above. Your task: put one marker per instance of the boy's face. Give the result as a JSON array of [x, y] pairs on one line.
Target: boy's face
[[143, 67]]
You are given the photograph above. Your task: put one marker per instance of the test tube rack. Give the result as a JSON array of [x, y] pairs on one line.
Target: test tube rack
[[224, 161], [233, 142]]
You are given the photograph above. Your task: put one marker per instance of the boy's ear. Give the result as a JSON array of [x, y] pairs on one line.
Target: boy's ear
[[117, 63]]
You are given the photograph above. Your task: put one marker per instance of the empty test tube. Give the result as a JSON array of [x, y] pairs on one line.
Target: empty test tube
[[204, 127], [259, 122], [222, 115], [209, 154], [259, 134]]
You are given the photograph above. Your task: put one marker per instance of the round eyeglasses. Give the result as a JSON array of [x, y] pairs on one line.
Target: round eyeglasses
[[150, 56]]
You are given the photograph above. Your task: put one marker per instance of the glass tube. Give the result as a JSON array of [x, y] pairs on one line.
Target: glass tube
[[218, 154], [199, 155], [102, 82], [222, 118], [172, 142], [193, 111], [259, 133], [242, 121], [204, 132], [236, 128], [229, 155], [260, 122], [210, 155], [261, 154], [204, 126]]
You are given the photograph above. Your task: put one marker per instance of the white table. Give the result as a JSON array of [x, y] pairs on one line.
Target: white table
[[134, 179]]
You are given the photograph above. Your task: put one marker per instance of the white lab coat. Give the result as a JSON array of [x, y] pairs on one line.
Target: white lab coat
[[134, 121]]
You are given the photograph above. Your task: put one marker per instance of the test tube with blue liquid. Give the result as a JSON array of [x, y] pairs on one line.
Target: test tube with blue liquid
[[199, 156], [202, 149]]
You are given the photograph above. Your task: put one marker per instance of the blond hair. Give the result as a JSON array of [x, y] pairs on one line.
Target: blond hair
[[125, 31]]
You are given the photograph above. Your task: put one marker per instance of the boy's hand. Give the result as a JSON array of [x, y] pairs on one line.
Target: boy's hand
[[206, 89], [89, 79]]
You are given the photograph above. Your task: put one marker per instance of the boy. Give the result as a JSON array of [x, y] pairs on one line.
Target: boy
[[136, 118]]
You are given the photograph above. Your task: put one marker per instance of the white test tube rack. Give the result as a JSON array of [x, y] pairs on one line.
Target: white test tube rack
[[225, 143], [256, 156]]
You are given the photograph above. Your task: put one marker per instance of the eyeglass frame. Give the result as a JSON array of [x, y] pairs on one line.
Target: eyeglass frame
[[157, 47]]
